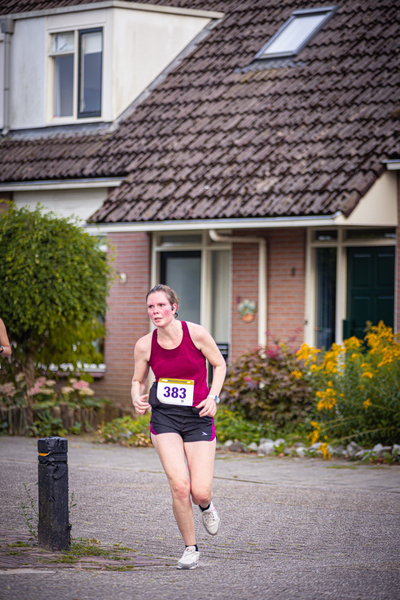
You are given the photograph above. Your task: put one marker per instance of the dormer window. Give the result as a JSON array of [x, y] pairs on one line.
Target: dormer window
[[77, 58], [296, 32]]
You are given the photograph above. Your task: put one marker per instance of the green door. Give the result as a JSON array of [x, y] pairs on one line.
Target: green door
[[370, 287]]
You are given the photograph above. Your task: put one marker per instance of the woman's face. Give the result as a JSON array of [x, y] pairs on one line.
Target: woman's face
[[159, 309]]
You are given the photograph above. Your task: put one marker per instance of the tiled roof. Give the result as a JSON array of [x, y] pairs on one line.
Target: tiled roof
[[19, 6], [219, 140]]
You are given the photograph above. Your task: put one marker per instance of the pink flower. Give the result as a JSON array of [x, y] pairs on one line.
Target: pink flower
[[8, 389], [80, 385], [36, 389], [40, 381], [247, 378]]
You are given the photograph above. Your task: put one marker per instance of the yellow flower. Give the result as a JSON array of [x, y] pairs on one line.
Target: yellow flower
[[324, 449], [313, 368], [352, 343], [297, 374], [303, 353], [367, 374], [314, 435], [367, 403]]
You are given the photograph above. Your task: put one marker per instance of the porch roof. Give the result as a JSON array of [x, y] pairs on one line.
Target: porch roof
[[225, 137]]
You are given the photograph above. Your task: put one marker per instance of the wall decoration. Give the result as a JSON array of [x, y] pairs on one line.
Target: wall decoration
[[247, 310]]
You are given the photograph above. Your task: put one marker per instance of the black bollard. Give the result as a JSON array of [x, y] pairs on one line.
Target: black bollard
[[54, 529]]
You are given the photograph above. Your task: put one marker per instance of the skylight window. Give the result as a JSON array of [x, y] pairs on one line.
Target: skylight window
[[296, 32]]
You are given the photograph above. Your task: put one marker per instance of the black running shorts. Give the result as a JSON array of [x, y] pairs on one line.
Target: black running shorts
[[184, 420]]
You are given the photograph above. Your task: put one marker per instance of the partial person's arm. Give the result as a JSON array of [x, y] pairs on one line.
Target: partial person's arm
[[4, 341], [142, 355], [206, 344]]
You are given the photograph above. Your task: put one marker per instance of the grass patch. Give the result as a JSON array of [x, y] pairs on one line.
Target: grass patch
[[19, 545], [342, 467], [83, 548]]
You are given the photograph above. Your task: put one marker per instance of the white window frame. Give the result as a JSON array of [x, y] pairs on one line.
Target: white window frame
[[74, 119], [328, 11], [206, 247]]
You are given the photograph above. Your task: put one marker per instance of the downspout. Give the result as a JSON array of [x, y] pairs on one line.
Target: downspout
[[262, 276], [7, 27]]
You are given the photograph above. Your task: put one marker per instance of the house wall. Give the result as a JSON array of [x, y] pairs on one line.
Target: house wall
[[137, 46], [144, 45], [286, 284], [126, 319], [82, 202], [2, 80], [244, 336], [27, 73]]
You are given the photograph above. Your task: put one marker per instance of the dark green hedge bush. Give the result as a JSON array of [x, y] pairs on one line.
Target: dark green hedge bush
[[264, 385]]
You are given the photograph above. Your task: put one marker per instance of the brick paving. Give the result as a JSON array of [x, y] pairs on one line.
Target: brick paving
[[19, 551], [290, 529]]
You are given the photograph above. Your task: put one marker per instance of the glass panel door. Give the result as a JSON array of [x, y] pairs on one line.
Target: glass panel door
[[326, 297], [182, 272]]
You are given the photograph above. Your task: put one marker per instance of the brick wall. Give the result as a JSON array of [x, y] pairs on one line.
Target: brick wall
[[285, 288], [244, 336], [286, 284], [126, 319]]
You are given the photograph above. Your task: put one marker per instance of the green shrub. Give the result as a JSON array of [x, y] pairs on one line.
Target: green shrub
[[356, 388], [46, 425], [264, 386], [230, 425], [54, 282], [127, 431]]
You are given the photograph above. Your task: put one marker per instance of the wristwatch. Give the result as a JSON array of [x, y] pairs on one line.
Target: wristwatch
[[214, 397], [1, 349]]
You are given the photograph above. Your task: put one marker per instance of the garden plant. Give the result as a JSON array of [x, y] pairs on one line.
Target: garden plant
[[55, 280], [356, 388]]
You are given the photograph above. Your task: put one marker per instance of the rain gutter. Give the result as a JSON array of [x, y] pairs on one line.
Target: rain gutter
[[7, 27], [220, 224]]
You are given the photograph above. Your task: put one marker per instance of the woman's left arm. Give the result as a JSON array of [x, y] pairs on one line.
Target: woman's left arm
[[206, 344], [4, 341]]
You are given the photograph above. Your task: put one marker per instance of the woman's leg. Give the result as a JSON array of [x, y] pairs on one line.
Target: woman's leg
[[200, 459], [170, 450]]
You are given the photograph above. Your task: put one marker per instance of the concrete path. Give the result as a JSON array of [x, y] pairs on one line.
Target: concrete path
[[291, 528]]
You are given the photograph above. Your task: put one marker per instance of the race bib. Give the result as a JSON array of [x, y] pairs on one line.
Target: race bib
[[176, 391]]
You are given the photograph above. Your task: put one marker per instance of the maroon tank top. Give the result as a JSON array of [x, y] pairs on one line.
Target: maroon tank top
[[184, 362]]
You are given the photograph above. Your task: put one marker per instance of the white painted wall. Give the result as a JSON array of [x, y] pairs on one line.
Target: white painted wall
[[378, 208], [145, 43], [81, 203], [27, 73]]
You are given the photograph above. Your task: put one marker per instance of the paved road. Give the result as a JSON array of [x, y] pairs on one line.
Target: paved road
[[292, 528]]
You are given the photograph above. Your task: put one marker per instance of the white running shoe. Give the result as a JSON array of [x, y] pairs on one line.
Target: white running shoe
[[190, 558], [211, 519]]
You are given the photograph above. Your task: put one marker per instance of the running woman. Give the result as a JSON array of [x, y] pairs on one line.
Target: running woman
[[183, 407]]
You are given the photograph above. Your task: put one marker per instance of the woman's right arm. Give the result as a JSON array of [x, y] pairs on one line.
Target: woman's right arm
[[4, 341], [142, 357]]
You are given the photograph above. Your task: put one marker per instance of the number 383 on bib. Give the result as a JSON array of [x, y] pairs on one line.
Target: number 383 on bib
[[175, 391]]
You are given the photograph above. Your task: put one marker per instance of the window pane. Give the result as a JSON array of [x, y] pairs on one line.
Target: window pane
[[62, 42], [326, 297], [370, 234], [296, 32], [326, 236], [182, 272], [63, 85], [90, 73]]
